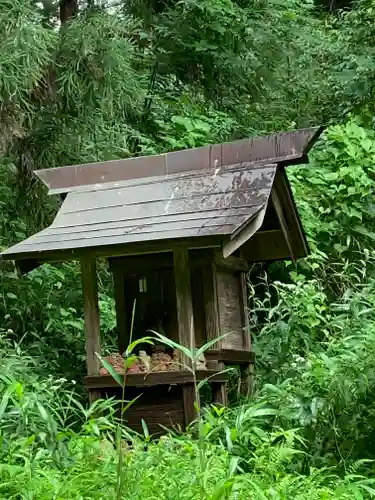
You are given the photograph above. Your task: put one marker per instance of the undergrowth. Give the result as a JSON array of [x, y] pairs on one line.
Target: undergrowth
[[52, 447]]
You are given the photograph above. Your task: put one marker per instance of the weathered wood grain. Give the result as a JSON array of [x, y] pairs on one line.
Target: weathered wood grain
[[230, 315], [91, 314], [189, 398], [211, 302], [185, 317], [283, 224], [245, 312], [191, 206]]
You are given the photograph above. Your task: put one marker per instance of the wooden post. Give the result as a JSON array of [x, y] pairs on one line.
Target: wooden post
[[185, 321], [210, 303], [211, 308], [94, 395], [247, 380], [247, 369], [119, 289], [219, 392], [185, 318], [188, 398], [244, 312], [91, 314]]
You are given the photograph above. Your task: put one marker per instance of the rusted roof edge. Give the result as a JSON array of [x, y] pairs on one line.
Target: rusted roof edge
[[310, 144], [165, 178], [255, 150]]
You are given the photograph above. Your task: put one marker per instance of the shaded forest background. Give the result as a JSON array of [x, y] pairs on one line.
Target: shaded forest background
[[88, 81]]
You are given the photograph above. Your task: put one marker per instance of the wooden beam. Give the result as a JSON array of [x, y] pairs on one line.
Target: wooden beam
[[185, 317], [91, 314], [231, 262], [181, 377], [140, 248], [230, 356], [121, 319], [141, 263], [204, 258]]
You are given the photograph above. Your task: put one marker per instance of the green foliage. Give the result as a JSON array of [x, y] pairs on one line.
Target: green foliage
[[356, 66], [314, 336], [25, 53], [97, 60], [339, 190], [322, 382]]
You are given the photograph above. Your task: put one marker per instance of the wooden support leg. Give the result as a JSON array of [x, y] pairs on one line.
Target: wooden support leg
[[188, 399], [91, 314], [247, 380], [219, 394], [219, 390], [94, 395]]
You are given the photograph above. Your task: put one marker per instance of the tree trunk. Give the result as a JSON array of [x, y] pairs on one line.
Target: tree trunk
[[68, 10]]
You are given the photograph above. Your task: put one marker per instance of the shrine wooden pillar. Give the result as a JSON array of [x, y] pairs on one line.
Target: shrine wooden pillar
[[185, 322], [247, 370], [219, 391], [91, 317]]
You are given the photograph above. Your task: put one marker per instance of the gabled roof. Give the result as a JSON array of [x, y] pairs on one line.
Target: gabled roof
[[218, 192]]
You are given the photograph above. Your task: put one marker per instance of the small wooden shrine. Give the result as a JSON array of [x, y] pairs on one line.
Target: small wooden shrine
[[179, 231]]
